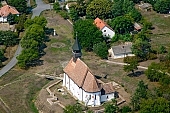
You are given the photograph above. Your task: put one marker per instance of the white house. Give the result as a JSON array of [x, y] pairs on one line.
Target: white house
[[5, 11], [106, 29], [79, 80], [120, 51]]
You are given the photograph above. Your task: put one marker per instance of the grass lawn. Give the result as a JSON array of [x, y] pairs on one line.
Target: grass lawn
[[161, 34]]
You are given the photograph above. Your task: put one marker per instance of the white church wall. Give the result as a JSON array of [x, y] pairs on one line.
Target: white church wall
[[107, 97], [91, 99]]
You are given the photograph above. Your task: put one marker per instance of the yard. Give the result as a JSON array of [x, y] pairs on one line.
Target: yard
[[23, 87]]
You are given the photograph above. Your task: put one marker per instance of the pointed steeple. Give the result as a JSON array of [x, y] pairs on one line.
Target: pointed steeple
[[76, 49]]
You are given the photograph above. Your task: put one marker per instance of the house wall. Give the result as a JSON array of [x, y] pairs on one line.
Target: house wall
[[108, 32], [91, 99], [3, 19], [112, 55], [107, 97]]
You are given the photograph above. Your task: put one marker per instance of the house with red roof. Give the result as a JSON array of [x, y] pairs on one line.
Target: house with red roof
[[79, 80], [5, 11], [104, 27]]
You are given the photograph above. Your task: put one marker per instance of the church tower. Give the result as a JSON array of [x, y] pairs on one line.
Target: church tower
[[76, 49]]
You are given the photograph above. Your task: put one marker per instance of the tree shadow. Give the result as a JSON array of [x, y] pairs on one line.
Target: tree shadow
[[98, 77], [35, 63], [49, 31], [136, 74]]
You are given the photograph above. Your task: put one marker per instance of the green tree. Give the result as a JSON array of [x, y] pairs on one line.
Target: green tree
[[99, 8], [140, 93], [161, 49], [125, 109], [131, 66], [35, 35], [36, 20], [153, 72], [122, 24], [56, 6], [159, 105], [76, 108], [26, 57], [101, 50], [141, 48], [117, 8], [8, 38], [20, 5], [162, 6], [135, 14], [87, 34], [73, 14], [111, 107]]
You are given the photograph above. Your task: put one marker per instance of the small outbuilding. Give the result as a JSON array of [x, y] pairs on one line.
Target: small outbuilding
[[145, 6]]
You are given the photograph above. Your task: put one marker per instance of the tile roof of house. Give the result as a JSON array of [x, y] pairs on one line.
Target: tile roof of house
[[101, 24], [7, 9], [82, 76], [122, 49], [108, 88]]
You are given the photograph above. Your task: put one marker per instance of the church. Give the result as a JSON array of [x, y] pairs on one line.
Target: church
[[82, 84]]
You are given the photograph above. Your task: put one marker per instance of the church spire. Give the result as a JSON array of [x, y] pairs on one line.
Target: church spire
[[76, 49]]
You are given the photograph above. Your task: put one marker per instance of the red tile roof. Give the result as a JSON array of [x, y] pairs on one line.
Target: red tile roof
[[82, 76], [79, 72], [99, 23], [6, 10]]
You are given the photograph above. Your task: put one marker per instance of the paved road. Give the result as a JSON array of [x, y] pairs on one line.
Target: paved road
[[36, 12], [41, 6]]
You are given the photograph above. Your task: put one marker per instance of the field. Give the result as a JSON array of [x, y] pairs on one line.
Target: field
[[161, 32], [19, 89]]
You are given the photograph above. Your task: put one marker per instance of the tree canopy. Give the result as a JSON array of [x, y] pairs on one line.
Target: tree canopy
[[162, 6], [20, 5], [87, 34], [36, 20], [159, 105], [99, 8], [122, 24], [101, 50]]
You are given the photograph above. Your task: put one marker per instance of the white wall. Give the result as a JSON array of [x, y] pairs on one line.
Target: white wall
[[112, 55], [107, 97], [92, 101], [3, 19], [108, 32]]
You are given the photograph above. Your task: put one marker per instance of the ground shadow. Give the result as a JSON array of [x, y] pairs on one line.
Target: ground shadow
[[136, 74]]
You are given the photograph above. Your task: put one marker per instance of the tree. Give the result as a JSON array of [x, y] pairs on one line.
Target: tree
[[75, 108], [141, 48], [56, 6], [117, 9], [131, 66], [153, 72], [26, 57], [36, 20], [87, 34], [111, 107], [161, 49], [8, 38], [20, 5], [159, 105], [73, 14], [140, 93], [162, 6], [122, 24], [99, 8], [101, 50], [125, 109], [135, 14]]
